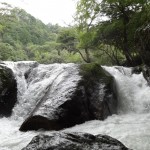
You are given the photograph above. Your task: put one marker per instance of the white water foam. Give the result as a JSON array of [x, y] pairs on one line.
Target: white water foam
[[131, 126], [54, 82], [10, 136]]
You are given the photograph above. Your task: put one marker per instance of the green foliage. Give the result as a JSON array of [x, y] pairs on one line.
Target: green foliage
[[71, 57], [25, 38], [8, 52], [142, 38], [117, 30], [86, 39], [95, 73], [67, 39], [92, 39], [22, 37], [86, 14]]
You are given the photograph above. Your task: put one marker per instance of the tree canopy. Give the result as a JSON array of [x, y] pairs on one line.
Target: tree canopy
[[115, 22]]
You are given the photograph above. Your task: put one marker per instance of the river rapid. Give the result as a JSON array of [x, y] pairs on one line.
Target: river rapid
[[131, 126]]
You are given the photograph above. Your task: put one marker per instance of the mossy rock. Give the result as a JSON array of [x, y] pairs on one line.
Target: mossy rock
[[8, 91], [100, 91], [93, 72], [94, 97]]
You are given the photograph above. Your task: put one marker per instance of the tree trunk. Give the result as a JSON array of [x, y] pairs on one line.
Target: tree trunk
[[58, 51], [88, 60], [85, 58], [125, 43]]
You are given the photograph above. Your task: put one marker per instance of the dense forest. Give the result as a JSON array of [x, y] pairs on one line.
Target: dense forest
[[110, 32]]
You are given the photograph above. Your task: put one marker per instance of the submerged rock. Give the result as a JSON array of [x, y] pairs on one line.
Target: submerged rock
[[8, 91], [136, 70], [91, 97], [74, 141]]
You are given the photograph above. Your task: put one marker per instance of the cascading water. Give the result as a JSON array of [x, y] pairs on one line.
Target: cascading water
[[35, 83], [131, 126], [132, 89]]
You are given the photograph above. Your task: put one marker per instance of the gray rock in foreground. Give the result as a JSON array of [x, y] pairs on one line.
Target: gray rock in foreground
[[74, 141]]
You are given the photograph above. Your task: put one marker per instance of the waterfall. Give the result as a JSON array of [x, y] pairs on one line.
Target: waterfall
[[19, 69], [37, 82], [132, 124], [132, 89]]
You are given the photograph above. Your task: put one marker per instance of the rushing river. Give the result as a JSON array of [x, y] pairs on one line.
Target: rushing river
[[131, 126]]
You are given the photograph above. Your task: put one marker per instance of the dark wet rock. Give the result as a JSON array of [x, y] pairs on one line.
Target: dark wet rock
[[8, 91], [74, 141], [145, 70], [31, 67], [92, 98], [99, 89], [146, 73], [136, 70]]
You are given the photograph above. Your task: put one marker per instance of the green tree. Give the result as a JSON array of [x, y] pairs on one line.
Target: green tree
[[86, 14], [111, 23], [121, 14], [6, 18], [67, 39]]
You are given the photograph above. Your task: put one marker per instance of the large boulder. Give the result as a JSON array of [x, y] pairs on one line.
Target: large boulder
[[74, 141], [92, 98], [8, 91]]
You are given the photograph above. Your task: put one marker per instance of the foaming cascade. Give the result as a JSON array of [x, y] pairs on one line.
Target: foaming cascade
[[20, 69], [37, 82], [132, 124], [132, 89]]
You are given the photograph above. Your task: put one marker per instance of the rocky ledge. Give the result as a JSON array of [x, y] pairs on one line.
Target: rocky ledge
[[74, 141]]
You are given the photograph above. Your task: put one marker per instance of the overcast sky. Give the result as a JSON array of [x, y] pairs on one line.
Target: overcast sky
[[49, 11]]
